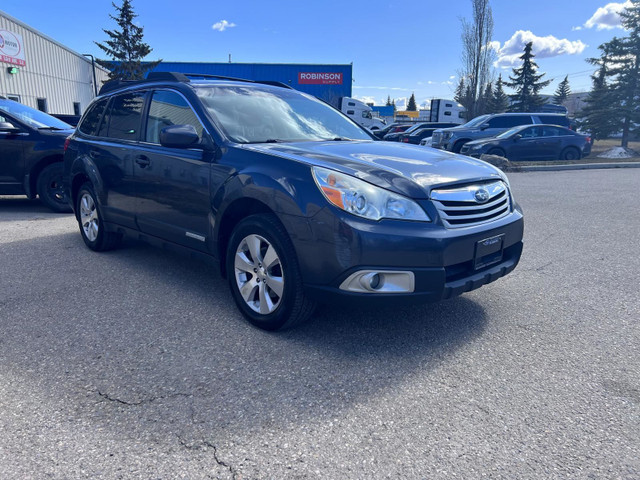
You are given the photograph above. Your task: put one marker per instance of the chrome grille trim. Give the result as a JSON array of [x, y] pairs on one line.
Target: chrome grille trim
[[458, 207]]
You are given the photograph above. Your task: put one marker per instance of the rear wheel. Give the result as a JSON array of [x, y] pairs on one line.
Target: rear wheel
[[264, 276], [90, 221], [51, 190], [570, 153]]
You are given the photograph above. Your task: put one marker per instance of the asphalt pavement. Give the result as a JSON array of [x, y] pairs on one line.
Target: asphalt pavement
[[136, 364]]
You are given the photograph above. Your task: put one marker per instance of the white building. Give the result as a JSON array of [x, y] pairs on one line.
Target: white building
[[39, 72]]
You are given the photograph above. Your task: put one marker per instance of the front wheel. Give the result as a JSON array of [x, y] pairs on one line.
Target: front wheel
[[264, 276], [498, 152], [51, 190]]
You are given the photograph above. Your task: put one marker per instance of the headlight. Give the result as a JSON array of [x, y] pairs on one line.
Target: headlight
[[446, 135], [365, 200]]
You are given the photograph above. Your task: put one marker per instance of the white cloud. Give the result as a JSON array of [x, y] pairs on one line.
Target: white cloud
[[607, 17], [367, 99], [383, 88], [543, 47], [222, 25]]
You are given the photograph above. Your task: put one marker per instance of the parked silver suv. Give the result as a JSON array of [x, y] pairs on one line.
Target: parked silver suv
[[485, 126]]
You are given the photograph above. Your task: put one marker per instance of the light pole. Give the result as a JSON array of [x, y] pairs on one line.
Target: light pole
[[93, 69]]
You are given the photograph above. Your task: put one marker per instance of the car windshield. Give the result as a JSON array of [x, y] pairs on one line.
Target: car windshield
[[509, 132], [255, 114], [32, 117], [476, 121], [414, 128]]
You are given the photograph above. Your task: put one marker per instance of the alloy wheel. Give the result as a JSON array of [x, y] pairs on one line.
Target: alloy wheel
[[89, 217], [259, 274]]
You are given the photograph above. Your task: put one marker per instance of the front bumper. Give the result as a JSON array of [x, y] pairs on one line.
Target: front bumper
[[441, 259]]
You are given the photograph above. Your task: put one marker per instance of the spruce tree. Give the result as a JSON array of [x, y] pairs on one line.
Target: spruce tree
[[527, 83], [500, 101], [388, 104], [458, 96], [411, 106], [622, 57], [600, 114], [484, 102], [125, 47], [563, 91]]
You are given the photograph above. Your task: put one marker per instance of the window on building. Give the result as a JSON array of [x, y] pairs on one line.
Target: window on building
[[169, 108], [124, 117], [76, 108], [42, 105], [15, 98]]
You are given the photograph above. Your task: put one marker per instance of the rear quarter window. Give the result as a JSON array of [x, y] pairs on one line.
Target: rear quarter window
[[555, 120], [91, 120]]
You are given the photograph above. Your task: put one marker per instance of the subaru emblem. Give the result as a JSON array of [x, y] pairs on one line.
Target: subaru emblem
[[481, 195]]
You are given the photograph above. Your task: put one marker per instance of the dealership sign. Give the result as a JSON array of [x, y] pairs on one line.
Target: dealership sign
[[11, 48], [319, 78]]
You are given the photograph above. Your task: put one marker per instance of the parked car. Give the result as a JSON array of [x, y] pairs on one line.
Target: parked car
[[31, 152], [67, 118], [541, 142], [485, 126], [393, 128], [395, 136], [296, 201], [417, 135]]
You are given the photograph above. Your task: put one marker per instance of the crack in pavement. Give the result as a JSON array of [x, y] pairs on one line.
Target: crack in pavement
[[108, 397], [204, 443]]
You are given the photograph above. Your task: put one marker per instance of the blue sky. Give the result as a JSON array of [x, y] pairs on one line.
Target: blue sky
[[397, 47]]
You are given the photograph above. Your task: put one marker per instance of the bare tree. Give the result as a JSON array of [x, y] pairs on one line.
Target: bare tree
[[477, 54]]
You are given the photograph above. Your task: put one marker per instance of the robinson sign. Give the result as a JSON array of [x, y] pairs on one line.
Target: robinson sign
[[319, 78], [11, 48]]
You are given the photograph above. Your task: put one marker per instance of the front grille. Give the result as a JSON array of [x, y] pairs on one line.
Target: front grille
[[435, 138], [460, 207]]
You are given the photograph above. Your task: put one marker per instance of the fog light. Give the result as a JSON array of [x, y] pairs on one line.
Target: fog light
[[381, 281]]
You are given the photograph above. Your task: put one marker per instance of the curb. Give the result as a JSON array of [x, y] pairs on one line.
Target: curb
[[581, 166]]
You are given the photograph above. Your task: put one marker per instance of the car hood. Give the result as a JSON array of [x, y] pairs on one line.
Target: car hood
[[406, 169], [482, 141]]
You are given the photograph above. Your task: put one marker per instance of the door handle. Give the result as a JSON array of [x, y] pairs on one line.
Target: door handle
[[143, 161]]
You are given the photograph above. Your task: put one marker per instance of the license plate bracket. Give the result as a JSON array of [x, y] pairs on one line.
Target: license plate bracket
[[488, 251]]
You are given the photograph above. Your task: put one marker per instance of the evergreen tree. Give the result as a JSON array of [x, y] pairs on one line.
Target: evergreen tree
[[527, 84], [563, 91], [388, 104], [622, 57], [484, 101], [125, 47], [500, 101], [600, 114], [411, 106], [458, 96]]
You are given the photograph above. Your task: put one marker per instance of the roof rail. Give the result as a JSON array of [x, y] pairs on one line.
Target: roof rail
[[180, 77], [168, 76]]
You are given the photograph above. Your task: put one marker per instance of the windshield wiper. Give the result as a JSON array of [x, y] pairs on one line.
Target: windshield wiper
[[51, 128]]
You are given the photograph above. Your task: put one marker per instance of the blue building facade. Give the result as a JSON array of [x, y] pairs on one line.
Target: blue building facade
[[327, 82]]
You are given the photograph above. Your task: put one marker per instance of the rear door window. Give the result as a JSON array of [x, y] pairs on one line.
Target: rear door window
[[555, 120], [125, 116], [509, 121], [169, 108], [91, 120]]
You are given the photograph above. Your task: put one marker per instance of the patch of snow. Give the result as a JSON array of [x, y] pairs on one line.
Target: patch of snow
[[618, 152]]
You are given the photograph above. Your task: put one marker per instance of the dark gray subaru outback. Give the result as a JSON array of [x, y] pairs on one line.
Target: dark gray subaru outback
[[296, 202]]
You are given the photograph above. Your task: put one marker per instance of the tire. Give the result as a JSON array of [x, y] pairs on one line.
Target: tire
[[51, 190], [90, 221], [458, 146], [280, 303], [498, 151], [570, 153]]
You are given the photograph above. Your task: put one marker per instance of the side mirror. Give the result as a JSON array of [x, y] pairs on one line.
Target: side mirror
[[484, 126], [517, 137], [8, 127], [179, 136]]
